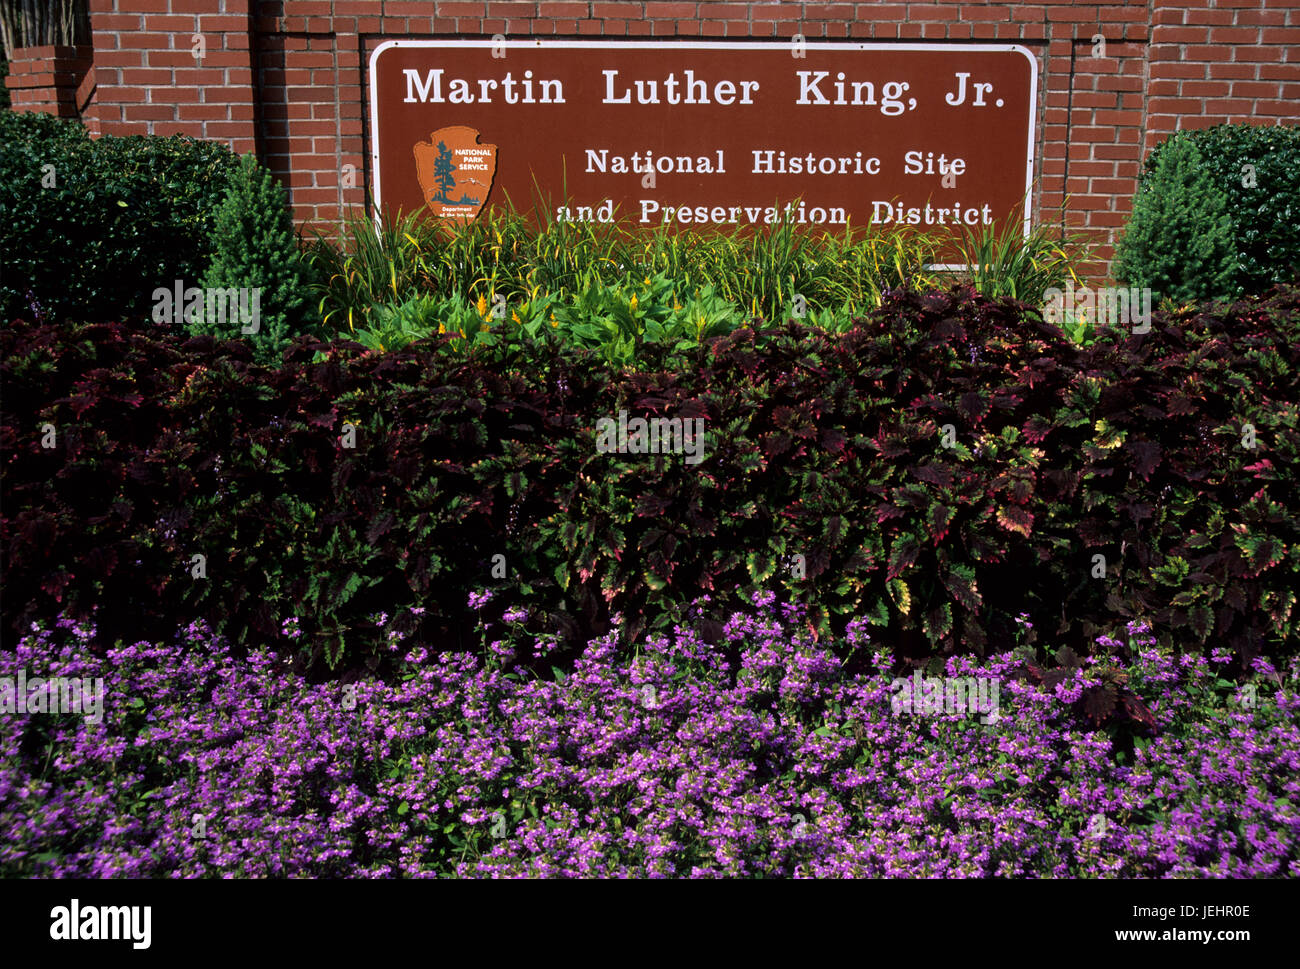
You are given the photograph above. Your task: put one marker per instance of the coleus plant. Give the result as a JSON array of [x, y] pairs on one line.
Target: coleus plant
[[941, 467]]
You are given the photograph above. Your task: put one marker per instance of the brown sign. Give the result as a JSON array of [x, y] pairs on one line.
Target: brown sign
[[718, 134]]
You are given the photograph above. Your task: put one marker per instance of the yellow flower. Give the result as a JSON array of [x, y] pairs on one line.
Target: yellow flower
[[482, 307], [633, 304], [647, 280], [441, 328], [462, 334], [515, 316]]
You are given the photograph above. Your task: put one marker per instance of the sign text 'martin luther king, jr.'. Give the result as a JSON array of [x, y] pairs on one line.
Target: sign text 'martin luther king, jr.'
[[706, 134]]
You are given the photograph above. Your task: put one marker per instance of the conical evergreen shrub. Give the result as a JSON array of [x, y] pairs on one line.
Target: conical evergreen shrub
[[1179, 240], [256, 256]]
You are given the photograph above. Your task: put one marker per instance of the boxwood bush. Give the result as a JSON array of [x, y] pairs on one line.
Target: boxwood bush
[[92, 227], [1255, 167]]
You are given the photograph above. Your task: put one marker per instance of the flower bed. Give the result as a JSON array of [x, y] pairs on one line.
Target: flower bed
[[762, 755]]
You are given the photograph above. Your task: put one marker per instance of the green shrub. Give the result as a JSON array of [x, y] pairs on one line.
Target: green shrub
[[1178, 242], [618, 321], [1266, 214], [107, 222], [255, 250], [945, 466], [615, 320]]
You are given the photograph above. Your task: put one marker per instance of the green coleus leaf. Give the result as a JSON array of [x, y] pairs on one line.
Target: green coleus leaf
[[1172, 572], [937, 622], [937, 520], [901, 595], [760, 565], [1260, 551], [1107, 436]]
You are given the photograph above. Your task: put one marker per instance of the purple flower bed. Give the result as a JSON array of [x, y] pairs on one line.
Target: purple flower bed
[[656, 758]]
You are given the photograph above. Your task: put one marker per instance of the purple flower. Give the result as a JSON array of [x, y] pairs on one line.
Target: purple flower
[[663, 758], [34, 305]]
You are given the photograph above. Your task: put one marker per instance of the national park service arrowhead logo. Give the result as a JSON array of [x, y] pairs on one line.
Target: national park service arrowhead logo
[[455, 172]]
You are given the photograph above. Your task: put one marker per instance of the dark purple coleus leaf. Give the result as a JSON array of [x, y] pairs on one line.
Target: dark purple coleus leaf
[[1099, 702], [1146, 457]]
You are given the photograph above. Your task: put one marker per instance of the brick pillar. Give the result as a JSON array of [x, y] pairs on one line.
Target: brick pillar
[[168, 67], [49, 79]]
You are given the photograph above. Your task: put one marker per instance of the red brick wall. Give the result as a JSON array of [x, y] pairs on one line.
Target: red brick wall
[[1228, 61], [153, 77], [51, 80], [285, 77]]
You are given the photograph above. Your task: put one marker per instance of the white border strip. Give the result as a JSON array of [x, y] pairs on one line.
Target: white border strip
[[542, 43]]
